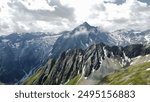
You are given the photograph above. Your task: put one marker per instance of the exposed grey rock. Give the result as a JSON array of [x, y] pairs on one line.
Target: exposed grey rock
[[93, 63]]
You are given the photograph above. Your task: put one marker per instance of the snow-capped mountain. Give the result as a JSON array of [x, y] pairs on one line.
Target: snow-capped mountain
[[20, 54], [124, 37], [85, 35], [81, 37]]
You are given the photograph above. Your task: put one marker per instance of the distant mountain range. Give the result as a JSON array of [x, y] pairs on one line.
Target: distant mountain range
[[20, 54], [68, 53]]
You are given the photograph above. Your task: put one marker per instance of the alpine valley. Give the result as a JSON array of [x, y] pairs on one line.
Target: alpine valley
[[86, 55]]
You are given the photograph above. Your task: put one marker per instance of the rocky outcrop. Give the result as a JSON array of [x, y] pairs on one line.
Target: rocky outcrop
[[92, 64]]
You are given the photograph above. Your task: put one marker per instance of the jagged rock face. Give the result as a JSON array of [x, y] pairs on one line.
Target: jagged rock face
[[92, 64], [135, 50], [20, 54]]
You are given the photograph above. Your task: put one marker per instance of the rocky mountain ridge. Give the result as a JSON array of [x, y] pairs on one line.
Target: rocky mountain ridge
[[89, 65]]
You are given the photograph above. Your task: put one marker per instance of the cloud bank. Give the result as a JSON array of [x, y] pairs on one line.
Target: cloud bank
[[60, 15], [34, 16]]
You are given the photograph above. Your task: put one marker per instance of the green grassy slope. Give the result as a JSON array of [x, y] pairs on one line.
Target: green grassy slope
[[136, 75], [74, 81], [34, 78]]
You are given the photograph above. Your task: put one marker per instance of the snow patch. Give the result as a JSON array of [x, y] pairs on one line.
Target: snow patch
[[86, 45], [138, 57], [148, 69], [91, 40], [105, 52], [93, 70], [5, 40]]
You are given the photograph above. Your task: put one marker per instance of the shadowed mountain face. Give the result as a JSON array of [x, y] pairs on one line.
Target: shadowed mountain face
[[87, 66], [20, 54]]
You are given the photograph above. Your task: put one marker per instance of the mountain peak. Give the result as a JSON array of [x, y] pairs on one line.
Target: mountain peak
[[85, 24]]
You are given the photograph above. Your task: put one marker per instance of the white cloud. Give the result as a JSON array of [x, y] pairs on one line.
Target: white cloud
[[37, 4], [130, 15], [60, 15], [34, 16]]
